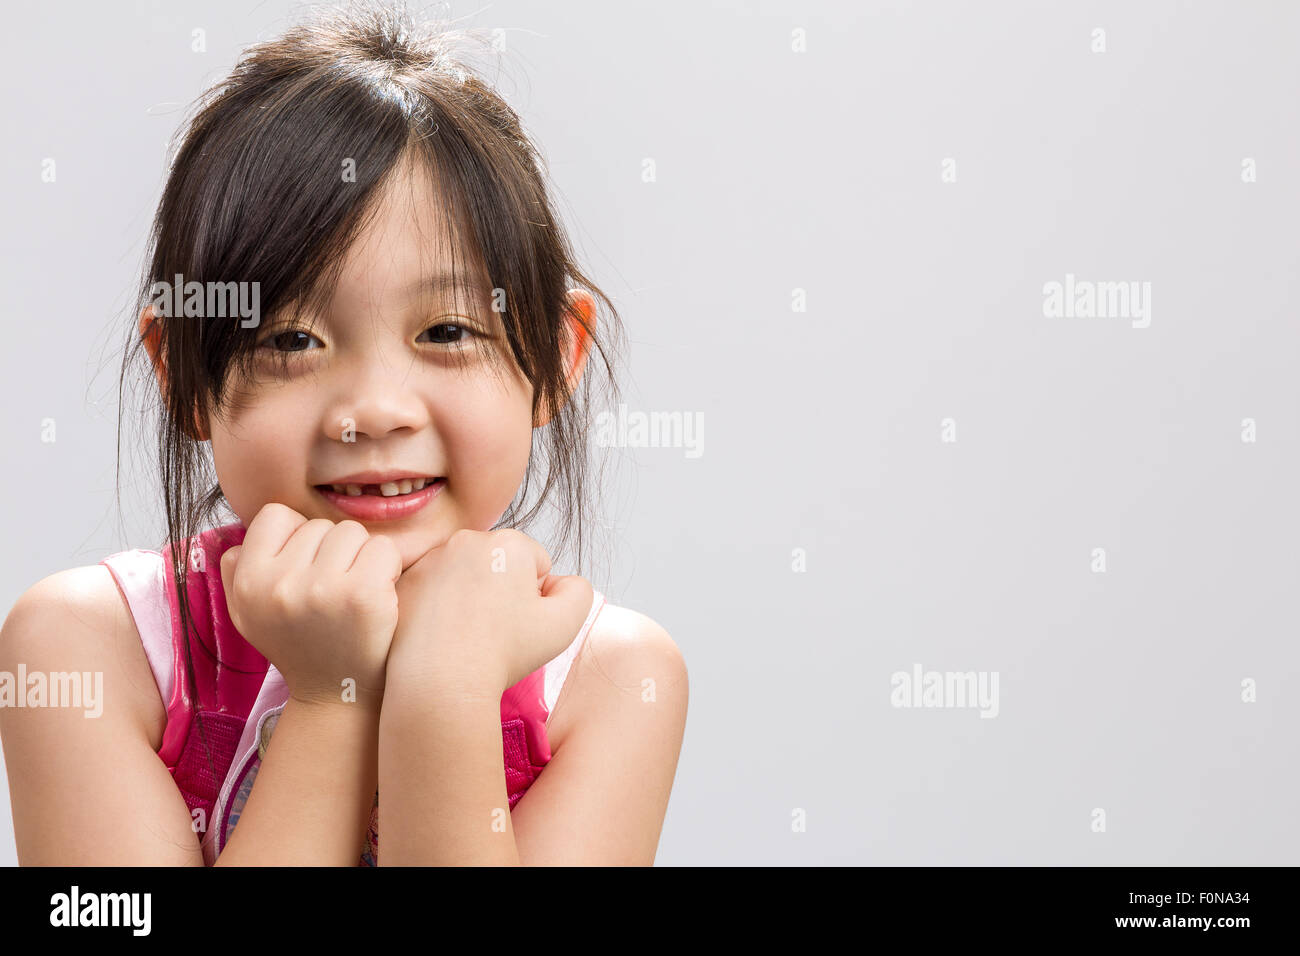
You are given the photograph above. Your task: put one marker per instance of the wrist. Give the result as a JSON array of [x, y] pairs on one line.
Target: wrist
[[422, 710], [431, 682], [347, 691], [364, 706], [444, 670]]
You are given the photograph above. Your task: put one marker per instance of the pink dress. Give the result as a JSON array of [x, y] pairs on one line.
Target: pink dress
[[243, 694]]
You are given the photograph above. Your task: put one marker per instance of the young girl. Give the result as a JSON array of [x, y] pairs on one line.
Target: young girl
[[393, 324]]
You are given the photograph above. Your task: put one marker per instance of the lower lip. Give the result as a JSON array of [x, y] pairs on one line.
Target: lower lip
[[379, 508]]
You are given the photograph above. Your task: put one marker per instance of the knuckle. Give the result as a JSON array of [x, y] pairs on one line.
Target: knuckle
[[460, 537], [320, 591], [367, 600], [282, 593], [242, 587], [511, 538], [359, 599], [525, 545], [377, 553], [275, 509]]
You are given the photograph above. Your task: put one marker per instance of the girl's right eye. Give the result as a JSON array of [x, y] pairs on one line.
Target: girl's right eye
[[290, 340]]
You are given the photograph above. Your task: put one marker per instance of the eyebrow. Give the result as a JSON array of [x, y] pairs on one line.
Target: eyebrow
[[436, 283], [443, 282]]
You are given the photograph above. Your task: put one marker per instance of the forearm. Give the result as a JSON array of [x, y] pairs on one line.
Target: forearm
[[314, 791], [440, 773]]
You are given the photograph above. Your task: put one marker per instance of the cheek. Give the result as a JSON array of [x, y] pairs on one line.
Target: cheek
[[487, 433], [254, 458]]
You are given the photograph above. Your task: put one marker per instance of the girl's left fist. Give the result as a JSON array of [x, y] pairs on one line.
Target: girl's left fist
[[482, 611]]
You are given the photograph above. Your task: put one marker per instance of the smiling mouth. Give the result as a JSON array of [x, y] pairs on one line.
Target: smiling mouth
[[389, 489]]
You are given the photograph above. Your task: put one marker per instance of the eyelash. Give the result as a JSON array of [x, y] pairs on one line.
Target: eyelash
[[269, 341]]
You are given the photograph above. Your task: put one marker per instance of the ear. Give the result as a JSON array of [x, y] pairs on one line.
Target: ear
[[151, 333], [577, 341]]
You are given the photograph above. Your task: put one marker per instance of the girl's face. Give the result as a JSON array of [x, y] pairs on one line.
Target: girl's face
[[395, 377]]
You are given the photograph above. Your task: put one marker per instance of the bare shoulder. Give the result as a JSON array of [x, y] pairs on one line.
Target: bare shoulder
[[626, 655], [626, 636], [78, 620]]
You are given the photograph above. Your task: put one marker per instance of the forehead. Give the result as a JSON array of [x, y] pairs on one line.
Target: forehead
[[410, 245]]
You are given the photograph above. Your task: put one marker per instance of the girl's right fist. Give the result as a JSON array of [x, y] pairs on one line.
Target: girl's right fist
[[317, 599]]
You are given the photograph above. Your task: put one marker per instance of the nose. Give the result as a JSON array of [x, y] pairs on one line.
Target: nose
[[374, 400]]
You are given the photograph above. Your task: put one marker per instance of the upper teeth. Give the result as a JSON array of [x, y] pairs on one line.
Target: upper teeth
[[388, 488]]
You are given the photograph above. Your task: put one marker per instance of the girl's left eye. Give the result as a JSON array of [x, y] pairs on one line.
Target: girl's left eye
[[283, 341], [455, 328]]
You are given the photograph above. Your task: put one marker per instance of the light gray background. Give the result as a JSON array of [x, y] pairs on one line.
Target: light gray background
[[821, 171]]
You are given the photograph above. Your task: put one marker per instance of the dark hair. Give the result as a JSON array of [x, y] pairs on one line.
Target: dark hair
[[255, 194]]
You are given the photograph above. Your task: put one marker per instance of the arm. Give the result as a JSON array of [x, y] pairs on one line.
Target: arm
[[317, 599], [600, 801], [88, 791], [444, 789], [314, 792], [74, 779]]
